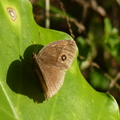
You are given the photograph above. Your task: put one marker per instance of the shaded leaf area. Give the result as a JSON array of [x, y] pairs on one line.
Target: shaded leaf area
[[21, 96]]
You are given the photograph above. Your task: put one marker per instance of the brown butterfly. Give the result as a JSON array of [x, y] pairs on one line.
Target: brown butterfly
[[51, 63]]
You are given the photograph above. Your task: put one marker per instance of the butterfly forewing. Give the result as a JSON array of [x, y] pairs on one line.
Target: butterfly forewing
[[53, 53]]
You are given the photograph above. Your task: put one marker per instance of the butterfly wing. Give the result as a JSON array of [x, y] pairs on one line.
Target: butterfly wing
[[54, 79], [59, 53], [53, 60]]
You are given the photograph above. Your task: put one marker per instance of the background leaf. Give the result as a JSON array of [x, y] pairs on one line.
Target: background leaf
[[21, 96]]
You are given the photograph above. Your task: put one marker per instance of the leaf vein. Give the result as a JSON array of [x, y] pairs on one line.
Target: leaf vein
[[9, 101]]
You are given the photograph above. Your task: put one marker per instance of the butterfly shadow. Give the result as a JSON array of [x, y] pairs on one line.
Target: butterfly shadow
[[22, 79]]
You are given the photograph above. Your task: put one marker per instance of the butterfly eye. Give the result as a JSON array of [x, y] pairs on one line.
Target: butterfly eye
[[12, 13], [63, 57]]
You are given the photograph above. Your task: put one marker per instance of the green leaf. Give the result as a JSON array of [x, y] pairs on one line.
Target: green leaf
[[21, 97], [98, 80], [108, 27], [111, 40], [111, 34], [83, 46]]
